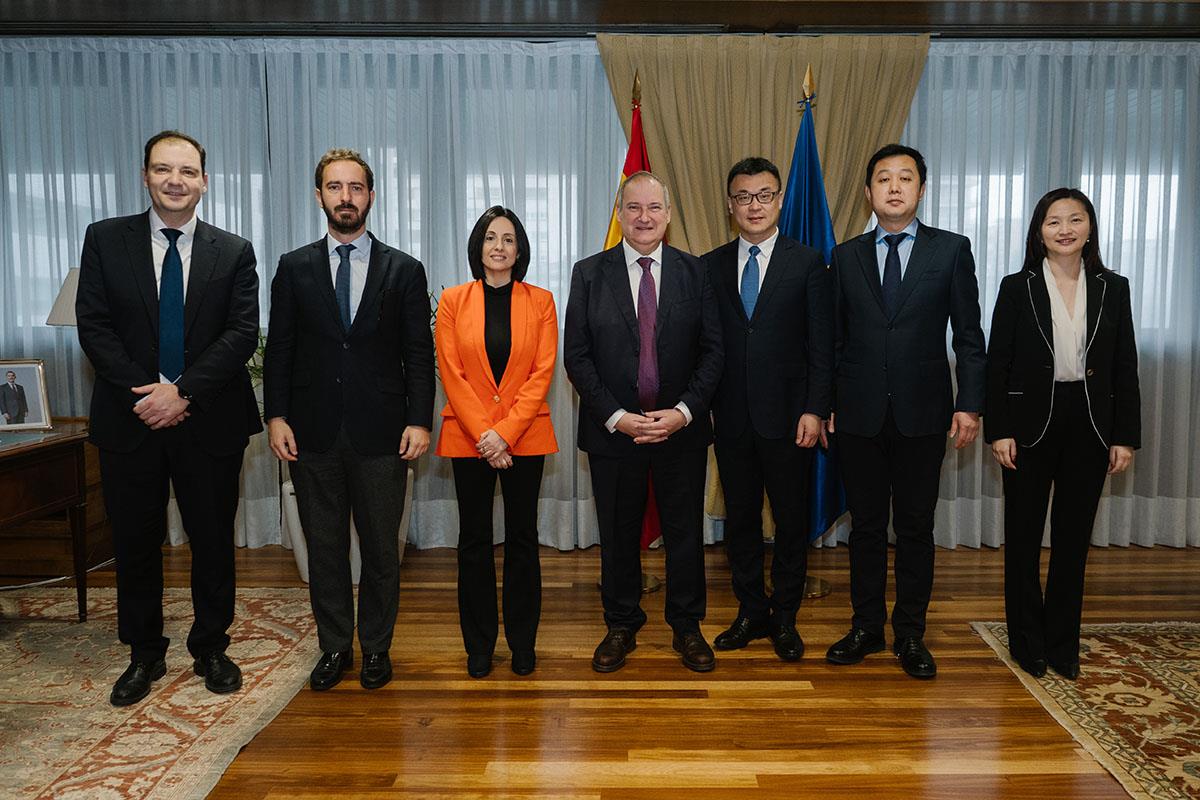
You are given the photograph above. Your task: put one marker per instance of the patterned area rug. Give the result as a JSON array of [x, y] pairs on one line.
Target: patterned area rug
[[60, 737], [1136, 705]]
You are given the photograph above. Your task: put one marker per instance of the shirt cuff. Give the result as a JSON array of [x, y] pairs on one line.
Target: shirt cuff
[[687, 414], [611, 424]]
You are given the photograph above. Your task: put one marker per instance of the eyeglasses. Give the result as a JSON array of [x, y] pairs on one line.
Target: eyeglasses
[[745, 198]]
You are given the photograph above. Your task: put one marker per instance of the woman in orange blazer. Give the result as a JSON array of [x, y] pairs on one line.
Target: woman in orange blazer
[[497, 339]]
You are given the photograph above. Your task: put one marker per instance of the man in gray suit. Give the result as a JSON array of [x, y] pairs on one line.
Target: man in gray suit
[[12, 400], [348, 394]]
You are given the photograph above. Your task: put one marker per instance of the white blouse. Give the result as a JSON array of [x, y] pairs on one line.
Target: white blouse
[[1069, 332]]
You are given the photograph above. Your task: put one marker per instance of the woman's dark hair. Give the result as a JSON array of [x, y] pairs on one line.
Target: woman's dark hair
[[1035, 249], [475, 242]]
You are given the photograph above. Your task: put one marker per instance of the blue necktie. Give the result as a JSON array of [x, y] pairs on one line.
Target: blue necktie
[[341, 286], [891, 273], [749, 289], [170, 310]]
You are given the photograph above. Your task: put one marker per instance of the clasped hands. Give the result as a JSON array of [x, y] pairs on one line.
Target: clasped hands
[[493, 449], [651, 427], [160, 406]]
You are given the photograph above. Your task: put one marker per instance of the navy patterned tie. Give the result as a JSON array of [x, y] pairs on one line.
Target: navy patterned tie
[[341, 286], [647, 311], [170, 310], [891, 272]]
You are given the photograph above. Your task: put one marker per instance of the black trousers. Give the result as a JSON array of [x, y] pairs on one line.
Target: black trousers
[[891, 469], [749, 463], [1071, 458], [619, 485], [136, 490], [330, 487], [474, 484]]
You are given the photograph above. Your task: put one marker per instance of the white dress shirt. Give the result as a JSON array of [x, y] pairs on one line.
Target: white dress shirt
[[765, 248], [1069, 331], [635, 281], [159, 245], [360, 259], [904, 249]]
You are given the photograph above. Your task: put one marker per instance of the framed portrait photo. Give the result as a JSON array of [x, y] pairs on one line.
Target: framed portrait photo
[[23, 401]]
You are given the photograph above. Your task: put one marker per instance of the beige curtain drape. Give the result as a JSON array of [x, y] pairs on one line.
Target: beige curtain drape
[[708, 101]]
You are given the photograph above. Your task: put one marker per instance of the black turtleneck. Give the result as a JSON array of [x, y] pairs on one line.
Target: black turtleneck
[[497, 304]]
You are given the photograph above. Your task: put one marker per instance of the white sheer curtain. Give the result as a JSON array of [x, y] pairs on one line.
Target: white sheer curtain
[[449, 127], [1000, 124]]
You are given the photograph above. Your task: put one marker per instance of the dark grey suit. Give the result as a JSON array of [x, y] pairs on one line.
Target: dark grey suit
[[13, 403]]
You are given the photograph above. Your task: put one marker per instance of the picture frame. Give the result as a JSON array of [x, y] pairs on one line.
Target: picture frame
[[23, 395]]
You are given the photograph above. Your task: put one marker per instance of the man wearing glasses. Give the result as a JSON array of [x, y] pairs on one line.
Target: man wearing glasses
[[776, 321]]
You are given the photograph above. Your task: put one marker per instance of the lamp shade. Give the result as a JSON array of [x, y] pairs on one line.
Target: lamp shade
[[63, 312]]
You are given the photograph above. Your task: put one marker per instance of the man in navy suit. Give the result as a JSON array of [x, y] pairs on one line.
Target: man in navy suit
[[895, 289], [642, 345], [348, 396], [168, 315], [777, 322], [13, 404]]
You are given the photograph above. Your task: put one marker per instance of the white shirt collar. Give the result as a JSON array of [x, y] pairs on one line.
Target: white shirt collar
[[910, 229], [362, 246], [765, 247], [156, 225], [631, 255]]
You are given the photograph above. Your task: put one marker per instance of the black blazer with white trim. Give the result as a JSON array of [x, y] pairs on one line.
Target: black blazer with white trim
[[1020, 361]]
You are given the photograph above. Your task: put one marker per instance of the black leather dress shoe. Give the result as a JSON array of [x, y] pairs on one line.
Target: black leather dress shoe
[[1034, 666], [221, 676], [697, 655], [854, 647], [134, 683], [915, 658], [479, 665], [610, 653], [743, 631], [1068, 669], [328, 671], [523, 661], [788, 644], [376, 670]]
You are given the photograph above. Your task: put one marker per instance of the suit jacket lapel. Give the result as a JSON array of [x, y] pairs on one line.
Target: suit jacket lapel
[[318, 261], [729, 278], [669, 292], [1039, 297], [774, 275], [1097, 287], [141, 261], [924, 248], [617, 278], [377, 269], [519, 312], [204, 260], [865, 248]]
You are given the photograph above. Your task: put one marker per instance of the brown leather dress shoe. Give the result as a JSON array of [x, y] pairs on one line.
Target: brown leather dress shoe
[[697, 655], [610, 653]]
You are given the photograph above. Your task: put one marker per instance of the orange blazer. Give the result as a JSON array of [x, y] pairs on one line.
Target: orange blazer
[[516, 409]]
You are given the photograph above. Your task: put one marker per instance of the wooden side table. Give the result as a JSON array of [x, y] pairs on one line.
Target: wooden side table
[[43, 473]]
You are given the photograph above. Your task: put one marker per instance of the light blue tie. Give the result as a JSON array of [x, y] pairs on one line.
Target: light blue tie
[[750, 282], [341, 286], [170, 309]]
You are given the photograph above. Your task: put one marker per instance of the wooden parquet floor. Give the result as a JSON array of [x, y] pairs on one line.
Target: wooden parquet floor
[[754, 728]]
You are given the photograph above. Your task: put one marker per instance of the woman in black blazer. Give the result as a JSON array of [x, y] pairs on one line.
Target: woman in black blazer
[[1063, 409]]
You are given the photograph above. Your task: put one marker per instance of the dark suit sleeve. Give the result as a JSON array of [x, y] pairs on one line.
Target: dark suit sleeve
[[997, 422], [227, 355], [97, 336], [839, 336], [1127, 394], [819, 294], [703, 384], [969, 351], [418, 349], [281, 345], [579, 352]]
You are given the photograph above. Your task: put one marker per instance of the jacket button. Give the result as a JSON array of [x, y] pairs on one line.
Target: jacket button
[[339, 380], [345, 345], [1090, 372], [495, 398]]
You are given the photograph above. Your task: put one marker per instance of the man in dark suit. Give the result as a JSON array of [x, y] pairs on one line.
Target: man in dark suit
[[642, 345], [776, 319], [167, 308], [895, 289], [348, 390], [13, 405]]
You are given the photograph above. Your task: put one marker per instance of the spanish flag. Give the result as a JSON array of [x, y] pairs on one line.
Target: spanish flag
[[636, 160]]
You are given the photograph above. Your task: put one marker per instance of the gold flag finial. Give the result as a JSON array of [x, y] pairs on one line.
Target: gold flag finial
[[810, 85], [637, 88]]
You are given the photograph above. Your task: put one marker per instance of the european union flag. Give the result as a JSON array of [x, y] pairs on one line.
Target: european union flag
[[805, 218]]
